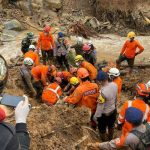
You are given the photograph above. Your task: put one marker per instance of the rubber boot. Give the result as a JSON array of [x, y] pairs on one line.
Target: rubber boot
[[103, 137], [110, 133]]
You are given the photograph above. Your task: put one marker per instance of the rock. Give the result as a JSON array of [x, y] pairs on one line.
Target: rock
[[25, 7], [53, 4], [13, 25]]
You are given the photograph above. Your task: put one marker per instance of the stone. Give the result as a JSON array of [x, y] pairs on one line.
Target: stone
[[53, 4], [25, 7], [13, 25]]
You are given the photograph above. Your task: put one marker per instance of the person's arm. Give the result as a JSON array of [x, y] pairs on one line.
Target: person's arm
[[141, 48], [124, 48], [37, 60], [75, 97], [39, 43], [52, 41], [121, 118], [23, 136], [21, 113]]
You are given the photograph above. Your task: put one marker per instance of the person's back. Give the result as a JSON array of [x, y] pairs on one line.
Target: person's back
[[40, 73], [51, 93], [90, 57], [133, 141], [91, 69], [110, 93], [85, 95], [34, 56], [26, 42]]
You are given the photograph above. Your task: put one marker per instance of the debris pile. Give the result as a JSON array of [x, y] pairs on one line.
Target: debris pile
[[81, 30]]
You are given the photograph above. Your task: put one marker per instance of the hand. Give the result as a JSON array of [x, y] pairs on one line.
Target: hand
[[93, 146], [22, 111], [137, 53]]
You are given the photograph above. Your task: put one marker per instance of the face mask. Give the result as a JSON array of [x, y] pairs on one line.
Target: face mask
[[46, 33], [77, 64]]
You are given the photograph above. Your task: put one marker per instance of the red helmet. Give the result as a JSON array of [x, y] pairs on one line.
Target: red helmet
[[142, 89], [73, 70], [82, 73], [59, 74], [58, 80], [86, 47], [47, 28]]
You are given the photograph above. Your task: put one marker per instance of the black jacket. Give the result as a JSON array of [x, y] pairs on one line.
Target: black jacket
[[12, 138]]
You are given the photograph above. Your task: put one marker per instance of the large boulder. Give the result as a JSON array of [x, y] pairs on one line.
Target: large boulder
[[13, 25], [53, 4]]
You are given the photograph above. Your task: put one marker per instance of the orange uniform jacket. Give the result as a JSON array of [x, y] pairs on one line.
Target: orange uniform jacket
[[85, 94], [34, 56], [51, 93], [129, 48], [127, 127], [90, 68], [39, 73], [45, 42], [118, 81]]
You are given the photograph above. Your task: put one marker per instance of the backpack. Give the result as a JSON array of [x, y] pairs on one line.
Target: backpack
[[144, 138]]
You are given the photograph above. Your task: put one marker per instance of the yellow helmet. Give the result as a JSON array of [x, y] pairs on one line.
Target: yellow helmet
[[131, 34], [74, 81], [78, 58]]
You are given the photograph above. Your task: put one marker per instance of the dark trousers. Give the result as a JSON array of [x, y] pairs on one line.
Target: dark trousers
[[124, 58], [47, 56], [105, 122], [62, 60]]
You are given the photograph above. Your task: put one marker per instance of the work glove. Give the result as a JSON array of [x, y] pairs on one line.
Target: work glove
[[119, 126], [93, 146], [22, 111]]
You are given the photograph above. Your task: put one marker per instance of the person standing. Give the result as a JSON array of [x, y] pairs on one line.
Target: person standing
[[129, 51], [61, 51], [106, 107], [46, 45], [26, 42]]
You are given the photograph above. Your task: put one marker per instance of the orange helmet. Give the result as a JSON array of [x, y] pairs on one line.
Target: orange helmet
[[73, 70], [47, 28], [142, 89], [82, 73], [59, 74]]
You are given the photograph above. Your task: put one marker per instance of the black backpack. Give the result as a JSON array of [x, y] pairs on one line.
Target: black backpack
[[144, 138]]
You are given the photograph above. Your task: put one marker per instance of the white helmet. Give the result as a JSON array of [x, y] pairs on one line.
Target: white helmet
[[79, 40], [148, 84], [32, 47], [90, 42], [28, 61], [114, 72]]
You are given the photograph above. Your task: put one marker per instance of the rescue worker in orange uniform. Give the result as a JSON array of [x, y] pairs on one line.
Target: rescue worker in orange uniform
[[114, 76], [46, 44], [129, 51], [142, 93], [52, 92], [81, 63], [33, 55], [41, 76], [86, 93]]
